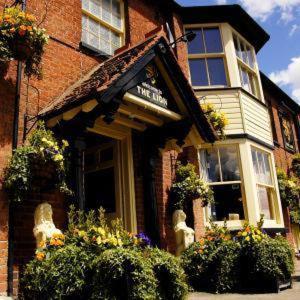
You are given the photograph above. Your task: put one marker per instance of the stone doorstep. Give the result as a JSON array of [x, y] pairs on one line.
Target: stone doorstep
[[5, 298]]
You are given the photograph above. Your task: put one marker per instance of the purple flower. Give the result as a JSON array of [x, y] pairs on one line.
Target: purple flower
[[144, 238]]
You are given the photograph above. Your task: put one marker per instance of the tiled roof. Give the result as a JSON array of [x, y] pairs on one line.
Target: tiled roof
[[99, 78]]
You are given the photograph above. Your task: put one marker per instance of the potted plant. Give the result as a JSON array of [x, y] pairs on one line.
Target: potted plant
[[218, 119], [37, 166], [21, 39], [187, 187]]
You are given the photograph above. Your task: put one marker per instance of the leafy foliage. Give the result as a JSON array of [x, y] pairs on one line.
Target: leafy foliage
[[265, 262], [44, 151], [188, 186], [117, 264], [289, 193], [123, 274], [169, 273], [250, 259], [19, 28], [296, 165], [218, 119], [212, 263]]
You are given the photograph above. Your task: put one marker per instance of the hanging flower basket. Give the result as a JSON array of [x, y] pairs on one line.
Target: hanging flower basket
[[39, 166], [21, 39], [22, 50]]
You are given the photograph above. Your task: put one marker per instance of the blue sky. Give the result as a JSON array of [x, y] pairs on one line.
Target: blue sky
[[280, 57]]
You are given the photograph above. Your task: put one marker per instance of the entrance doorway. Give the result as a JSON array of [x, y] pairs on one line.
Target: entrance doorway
[[108, 177]]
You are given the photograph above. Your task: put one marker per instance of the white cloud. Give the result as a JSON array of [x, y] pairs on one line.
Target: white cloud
[[221, 2], [289, 77], [263, 9], [294, 28]]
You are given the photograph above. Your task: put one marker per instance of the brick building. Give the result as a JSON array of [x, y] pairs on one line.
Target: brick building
[[117, 85], [285, 113]]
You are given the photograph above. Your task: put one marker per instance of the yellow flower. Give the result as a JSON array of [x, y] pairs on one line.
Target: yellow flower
[[44, 140], [247, 238], [101, 231], [40, 255], [65, 143], [244, 234], [58, 157], [42, 244], [99, 240]]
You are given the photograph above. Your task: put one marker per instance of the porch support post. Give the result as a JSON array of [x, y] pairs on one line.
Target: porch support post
[[150, 204], [79, 146]]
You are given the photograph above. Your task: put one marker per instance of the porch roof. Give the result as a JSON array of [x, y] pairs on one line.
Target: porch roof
[[113, 77]]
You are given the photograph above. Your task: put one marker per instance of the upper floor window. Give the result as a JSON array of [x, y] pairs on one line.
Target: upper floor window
[[102, 24], [207, 58], [246, 63]]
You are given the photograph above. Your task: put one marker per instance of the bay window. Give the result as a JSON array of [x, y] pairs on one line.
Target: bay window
[[207, 58], [102, 25], [264, 183], [246, 63], [220, 167]]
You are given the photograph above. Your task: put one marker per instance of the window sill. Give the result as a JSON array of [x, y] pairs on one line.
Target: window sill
[[93, 51], [231, 225]]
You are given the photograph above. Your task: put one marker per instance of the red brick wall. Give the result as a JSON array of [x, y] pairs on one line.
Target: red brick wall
[[63, 64], [283, 157]]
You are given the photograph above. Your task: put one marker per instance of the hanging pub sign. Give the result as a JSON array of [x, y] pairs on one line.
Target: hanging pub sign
[[152, 88], [287, 132]]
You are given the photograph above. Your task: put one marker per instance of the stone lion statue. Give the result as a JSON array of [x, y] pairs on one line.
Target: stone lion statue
[[184, 235], [43, 224]]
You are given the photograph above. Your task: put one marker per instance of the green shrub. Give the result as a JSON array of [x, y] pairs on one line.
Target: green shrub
[[62, 274], [265, 262], [212, 265], [169, 273], [123, 274]]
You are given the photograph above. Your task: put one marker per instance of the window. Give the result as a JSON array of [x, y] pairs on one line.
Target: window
[[206, 58], [264, 181], [220, 167], [246, 63], [102, 25]]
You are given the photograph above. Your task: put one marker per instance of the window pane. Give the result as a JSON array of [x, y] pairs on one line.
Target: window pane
[[228, 203], [95, 8], [245, 79], [255, 162], [116, 14], [265, 200], [210, 165], [213, 40], [85, 4], [253, 84], [267, 174], [216, 71], [196, 45], [106, 11], [250, 57], [237, 47], [229, 163], [198, 72], [262, 167], [244, 53]]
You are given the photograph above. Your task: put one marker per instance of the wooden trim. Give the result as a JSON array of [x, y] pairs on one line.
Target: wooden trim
[[153, 107]]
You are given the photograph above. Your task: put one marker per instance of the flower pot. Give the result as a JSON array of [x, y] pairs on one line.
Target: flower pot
[[22, 50]]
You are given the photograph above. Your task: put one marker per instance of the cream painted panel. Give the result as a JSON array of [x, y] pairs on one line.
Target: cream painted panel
[[256, 119], [228, 102]]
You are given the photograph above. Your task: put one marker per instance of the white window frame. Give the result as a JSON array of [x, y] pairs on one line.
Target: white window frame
[[205, 56], [268, 187], [232, 224], [112, 29], [251, 71]]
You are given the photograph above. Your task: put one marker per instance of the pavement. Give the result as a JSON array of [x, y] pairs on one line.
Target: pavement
[[288, 294]]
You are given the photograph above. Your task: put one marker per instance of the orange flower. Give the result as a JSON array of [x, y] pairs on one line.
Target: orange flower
[[42, 244], [12, 30], [201, 251], [7, 17], [22, 30], [29, 28], [40, 256], [248, 229], [30, 18]]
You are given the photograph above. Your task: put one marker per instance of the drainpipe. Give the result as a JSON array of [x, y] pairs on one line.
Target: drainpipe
[[10, 260]]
